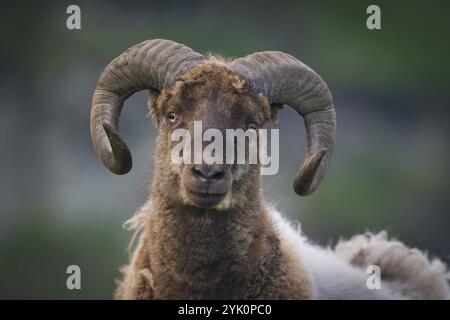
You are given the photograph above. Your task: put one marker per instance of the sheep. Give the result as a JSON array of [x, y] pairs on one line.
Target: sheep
[[206, 231]]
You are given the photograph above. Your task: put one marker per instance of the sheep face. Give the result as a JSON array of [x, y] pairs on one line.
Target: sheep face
[[217, 98]]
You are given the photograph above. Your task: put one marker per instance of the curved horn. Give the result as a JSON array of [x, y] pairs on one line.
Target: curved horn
[[152, 64], [286, 80]]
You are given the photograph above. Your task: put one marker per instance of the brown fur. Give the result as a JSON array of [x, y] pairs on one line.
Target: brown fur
[[226, 252]]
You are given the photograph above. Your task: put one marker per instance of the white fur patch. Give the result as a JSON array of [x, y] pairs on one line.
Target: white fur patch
[[333, 277]]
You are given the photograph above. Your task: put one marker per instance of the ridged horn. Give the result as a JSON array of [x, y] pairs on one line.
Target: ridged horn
[[154, 64], [286, 80]]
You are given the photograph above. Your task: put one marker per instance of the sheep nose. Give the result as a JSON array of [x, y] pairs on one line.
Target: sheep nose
[[208, 173]]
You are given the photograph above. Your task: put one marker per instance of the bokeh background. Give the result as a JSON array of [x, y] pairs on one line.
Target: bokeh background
[[59, 206]]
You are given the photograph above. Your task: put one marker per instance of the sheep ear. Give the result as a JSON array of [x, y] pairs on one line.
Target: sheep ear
[[275, 109], [153, 96]]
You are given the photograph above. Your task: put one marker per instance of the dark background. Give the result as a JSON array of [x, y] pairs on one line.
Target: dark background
[[59, 206]]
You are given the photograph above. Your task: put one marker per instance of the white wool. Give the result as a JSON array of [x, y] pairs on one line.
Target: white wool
[[333, 277], [411, 271]]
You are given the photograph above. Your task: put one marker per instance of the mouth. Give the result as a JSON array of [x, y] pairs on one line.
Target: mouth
[[205, 199]]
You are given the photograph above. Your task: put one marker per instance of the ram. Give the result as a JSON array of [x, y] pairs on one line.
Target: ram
[[206, 231]]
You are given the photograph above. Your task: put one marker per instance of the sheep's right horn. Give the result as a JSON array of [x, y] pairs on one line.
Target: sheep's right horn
[[154, 64], [286, 80]]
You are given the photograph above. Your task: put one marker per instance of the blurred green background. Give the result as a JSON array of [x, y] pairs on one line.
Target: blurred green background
[[59, 206]]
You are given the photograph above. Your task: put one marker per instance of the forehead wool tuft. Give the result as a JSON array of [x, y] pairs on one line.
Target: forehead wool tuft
[[211, 80]]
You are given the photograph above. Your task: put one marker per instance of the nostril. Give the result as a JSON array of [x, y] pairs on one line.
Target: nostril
[[198, 171], [216, 174], [208, 174]]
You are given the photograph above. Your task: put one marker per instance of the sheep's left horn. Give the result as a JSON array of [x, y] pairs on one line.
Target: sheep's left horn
[[152, 64], [286, 80]]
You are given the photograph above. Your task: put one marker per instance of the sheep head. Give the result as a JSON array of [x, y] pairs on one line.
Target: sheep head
[[186, 87], [217, 98]]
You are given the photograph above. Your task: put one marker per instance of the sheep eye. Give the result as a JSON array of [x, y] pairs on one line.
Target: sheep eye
[[172, 117], [252, 126]]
